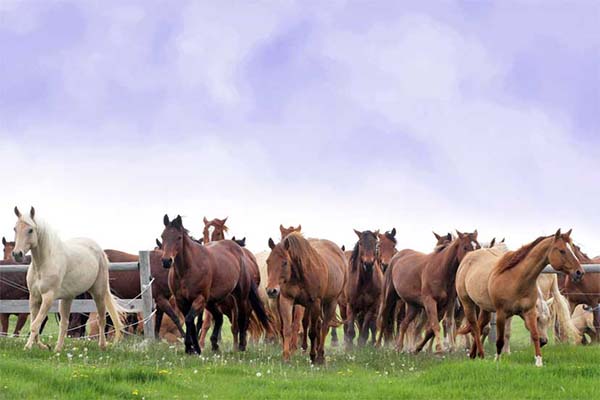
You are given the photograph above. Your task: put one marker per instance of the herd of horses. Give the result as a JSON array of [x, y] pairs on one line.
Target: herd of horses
[[303, 289]]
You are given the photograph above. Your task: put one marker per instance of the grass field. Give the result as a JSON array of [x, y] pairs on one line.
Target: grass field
[[136, 370]]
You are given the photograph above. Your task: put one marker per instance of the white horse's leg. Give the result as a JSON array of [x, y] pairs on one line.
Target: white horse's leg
[[47, 299], [99, 300], [65, 311]]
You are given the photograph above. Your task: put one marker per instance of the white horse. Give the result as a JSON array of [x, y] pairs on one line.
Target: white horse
[[63, 270]]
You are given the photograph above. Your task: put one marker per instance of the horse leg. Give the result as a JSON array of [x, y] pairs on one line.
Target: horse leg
[[242, 318], [474, 328], [314, 330], [484, 320], [366, 326], [328, 316], [297, 320], [305, 322], [596, 309], [286, 312], [41, 311], [434, 323], [205, 322], [158, 322], [507, 332], [334, 337], [4, 318], [195, 309], [217, 316], [411, 313], [531, 323], [350, 332], [173, 315], [65, 310], [500, 328]]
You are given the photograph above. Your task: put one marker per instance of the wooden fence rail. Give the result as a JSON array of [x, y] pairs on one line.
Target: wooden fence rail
[[143, 304]]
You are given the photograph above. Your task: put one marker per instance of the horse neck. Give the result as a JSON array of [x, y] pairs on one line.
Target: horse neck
[[531, 267], [449, 262], [185, 260], [48, 244]]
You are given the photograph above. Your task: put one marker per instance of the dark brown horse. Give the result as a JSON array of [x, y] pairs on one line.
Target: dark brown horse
[[586, 291], [386, 248], [309, 273], [21, 318], [363, 288], [425, 282], [13, 286], [203, 276], [218, 232]]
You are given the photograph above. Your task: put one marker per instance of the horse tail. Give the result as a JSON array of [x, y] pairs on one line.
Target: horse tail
[[561, 311], [116, 312], [258, 306]]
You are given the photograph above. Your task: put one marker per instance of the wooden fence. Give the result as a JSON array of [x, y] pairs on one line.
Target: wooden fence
[[142, 303]]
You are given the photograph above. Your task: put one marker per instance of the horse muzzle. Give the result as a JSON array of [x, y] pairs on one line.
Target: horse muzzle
[[167, 262], [18, 256], [273, 292], [543, 342]]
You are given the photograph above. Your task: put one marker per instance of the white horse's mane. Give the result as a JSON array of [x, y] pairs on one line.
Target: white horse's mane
[[48, 239]]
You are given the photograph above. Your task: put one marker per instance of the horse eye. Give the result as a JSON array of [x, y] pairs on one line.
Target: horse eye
[[284, 264], [30, 231], [180, 237], [563, 252]]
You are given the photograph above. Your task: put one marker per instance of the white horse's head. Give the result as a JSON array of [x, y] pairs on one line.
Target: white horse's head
[[26, 236]]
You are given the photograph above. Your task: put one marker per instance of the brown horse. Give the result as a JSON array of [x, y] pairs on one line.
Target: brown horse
[[363, 288], [512, 284], [205, 275], [309, 273], [11, 282], [426, 281], [586, 291], [286, 231], [218, 232], [386, 248]]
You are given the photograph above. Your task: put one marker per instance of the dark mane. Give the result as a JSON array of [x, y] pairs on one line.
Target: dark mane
[[441, 247], [512, 258], [354, 257], [179, 226]]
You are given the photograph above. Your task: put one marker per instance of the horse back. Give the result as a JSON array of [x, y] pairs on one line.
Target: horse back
[[225, 261], [124, 284], [406, 268]]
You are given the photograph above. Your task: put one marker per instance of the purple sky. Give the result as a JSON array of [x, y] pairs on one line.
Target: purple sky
[[345, 115]]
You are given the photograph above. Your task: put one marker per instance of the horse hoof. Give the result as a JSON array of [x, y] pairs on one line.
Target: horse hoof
[[335, 343], [538, 361], [43, 346]]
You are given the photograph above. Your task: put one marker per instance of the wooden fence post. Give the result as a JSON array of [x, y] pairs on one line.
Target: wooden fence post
[[146, 288]]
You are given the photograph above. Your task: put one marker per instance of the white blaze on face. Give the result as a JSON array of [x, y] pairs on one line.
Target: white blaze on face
[[474, 245], [571, 249]]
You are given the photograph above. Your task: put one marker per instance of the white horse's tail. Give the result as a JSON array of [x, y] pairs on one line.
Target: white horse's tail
[[117, 313], [567, 330]]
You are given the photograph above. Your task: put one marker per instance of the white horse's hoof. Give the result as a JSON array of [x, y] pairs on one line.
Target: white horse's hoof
[[538, 361], [497, 358]]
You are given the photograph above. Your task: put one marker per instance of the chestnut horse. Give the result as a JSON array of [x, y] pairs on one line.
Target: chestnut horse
[[513, 290], [310, 273], [218, 232], [426, 281], [386, 248], [363, 288], [205, 275], [586, 291]]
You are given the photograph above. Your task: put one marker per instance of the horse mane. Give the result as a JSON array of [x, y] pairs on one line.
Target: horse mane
[[441, 247], [303, 255], [354, 256], [48, 239], [512, 258]]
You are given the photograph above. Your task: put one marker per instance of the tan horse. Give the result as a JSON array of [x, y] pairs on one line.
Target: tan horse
[[472, 288], [583, 320], [512, 288], [309, 273], [564, 328]]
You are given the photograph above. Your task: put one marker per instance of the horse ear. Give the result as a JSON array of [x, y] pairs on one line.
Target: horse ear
[[358, 233], [475, 234], [243, 242], [343, 248], [32, 212], [493, 242], [178, 221], [166, 220], [205, 221], [393, 232], [3, 240], [17, 212], [158, 244], [281, 229], [449, 236], [224, 220], [557, 234], [299, 228], [503, 239], [201, 240], [568, 234], [376, 233], [460, 234], [438, 237], [271, 244]]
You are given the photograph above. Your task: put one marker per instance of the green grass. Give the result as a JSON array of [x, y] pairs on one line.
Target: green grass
[[135, 370]]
